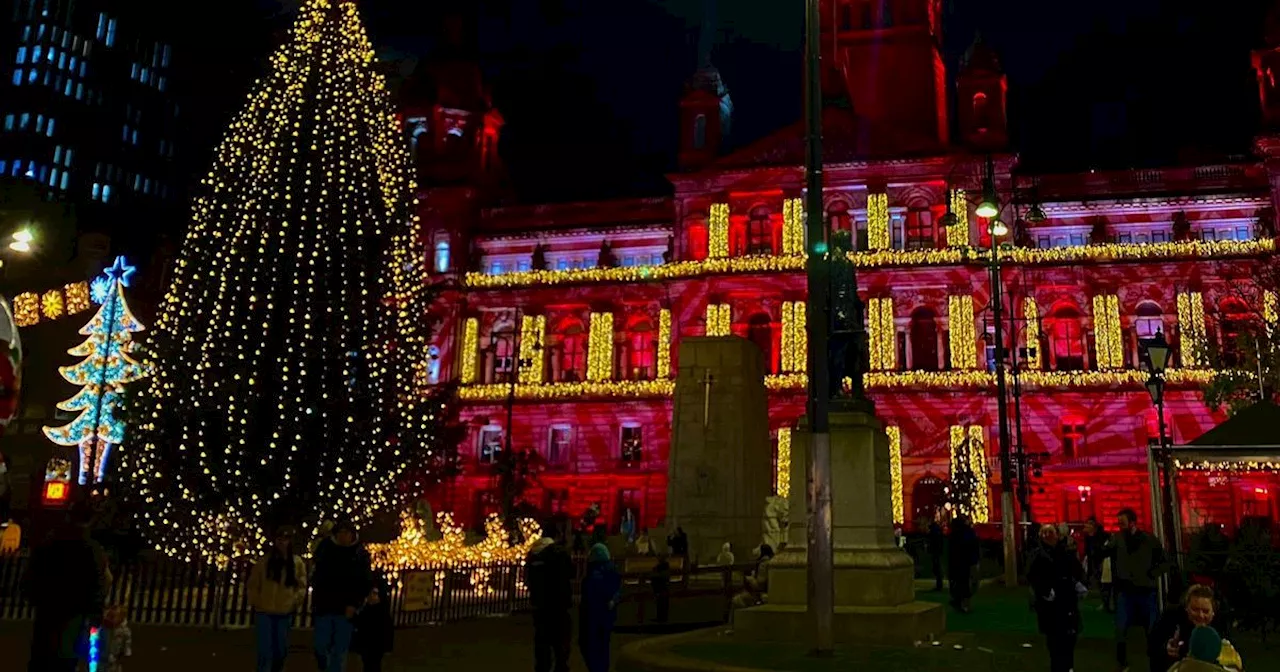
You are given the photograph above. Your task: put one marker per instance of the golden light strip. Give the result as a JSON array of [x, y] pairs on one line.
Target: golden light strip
[[788, 346], [470, 350], [968, 443], [895, 472], [1270, 314], [881, 258], [958, 233], [600, 348], [963, 339], [1031, 313], [664, 343], [793, 226], [783, 475], [878, 237], [533, 334], [1108, 342], [978, 463], [883, 337], [718, 231], [719, 320], [1191, 324]]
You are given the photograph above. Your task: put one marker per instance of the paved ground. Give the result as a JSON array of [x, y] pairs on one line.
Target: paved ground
[[478, 645]]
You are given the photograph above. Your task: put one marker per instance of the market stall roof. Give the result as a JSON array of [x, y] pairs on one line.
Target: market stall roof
[[1249, 439]]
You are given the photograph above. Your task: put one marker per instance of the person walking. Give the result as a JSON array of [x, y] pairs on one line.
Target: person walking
[[1095, 543], [277, 586], [660, 581], [340, 582], [66, 584], [1169, 639], [1056, 577], [1137, 562], [962, 558], [375, 629], [601, 589], [1203, 652], [935, 546], [549, 577]]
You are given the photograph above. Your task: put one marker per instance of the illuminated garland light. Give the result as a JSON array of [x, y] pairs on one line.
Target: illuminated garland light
[[718, 231], [958, 233], [1031, 313], [664, 344], [719, 320], [600, 348], [968, 460], [1191, 324], [783, 475], [633, 389], [793, 225], [1228, 465], [414, 550], [265, 392], [108, 366], [795, 337], [470, 350], [963, 339], [30, 307], [533, 332], [884, 342], [895, 472], [1108, 343], [1270, 309], [878, 222], [877, 258]]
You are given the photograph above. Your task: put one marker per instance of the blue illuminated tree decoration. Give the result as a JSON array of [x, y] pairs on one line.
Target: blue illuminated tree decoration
[[107, 367]]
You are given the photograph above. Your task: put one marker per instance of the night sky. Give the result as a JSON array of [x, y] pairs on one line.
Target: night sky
[[590, 89]]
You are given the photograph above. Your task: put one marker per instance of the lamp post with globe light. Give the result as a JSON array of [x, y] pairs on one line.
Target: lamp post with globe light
[[1164, 515]]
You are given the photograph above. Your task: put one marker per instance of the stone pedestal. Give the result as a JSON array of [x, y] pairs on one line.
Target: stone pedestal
[[874, 579], [721, 464]]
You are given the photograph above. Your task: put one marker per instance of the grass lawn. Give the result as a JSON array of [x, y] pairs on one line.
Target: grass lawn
[[995, 638]]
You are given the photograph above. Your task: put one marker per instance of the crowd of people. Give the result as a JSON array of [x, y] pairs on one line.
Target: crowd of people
[[1126, 568]]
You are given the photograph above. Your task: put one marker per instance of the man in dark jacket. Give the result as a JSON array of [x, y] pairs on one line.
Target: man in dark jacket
[[1137, 562], [340, 583], [1095, 544], [66, 584], [549, 576], [935, 545]]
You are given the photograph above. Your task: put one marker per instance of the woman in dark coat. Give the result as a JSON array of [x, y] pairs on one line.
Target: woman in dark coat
[[962, 558], [601, 588], [1056, 578], [375, 631]]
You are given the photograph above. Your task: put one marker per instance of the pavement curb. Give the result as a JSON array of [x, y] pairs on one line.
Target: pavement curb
[[654, 655]]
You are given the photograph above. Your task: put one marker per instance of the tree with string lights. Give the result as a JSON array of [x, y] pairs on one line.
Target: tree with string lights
[[290, 348]]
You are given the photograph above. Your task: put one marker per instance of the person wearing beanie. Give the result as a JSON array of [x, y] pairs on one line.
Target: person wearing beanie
[[340, 582], [601, 589], [549, 577], [1203, 649]]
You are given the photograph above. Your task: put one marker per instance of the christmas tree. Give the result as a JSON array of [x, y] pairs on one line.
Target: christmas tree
[[290, 361], [102, 374]]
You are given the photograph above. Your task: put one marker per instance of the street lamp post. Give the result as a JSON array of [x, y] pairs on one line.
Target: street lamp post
[[1165, 517], [507, 473], [821, 583]]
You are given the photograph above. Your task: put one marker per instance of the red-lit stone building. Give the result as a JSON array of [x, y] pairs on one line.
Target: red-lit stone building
[[596, 296]]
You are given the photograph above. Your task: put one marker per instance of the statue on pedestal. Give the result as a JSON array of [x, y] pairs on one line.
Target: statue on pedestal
[[776, 519]]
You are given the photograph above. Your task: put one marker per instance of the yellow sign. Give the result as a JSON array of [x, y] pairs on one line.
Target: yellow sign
[[416, 590], [10, 539]]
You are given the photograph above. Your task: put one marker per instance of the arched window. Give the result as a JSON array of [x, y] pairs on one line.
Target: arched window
[[760, 231], [1073, 435], [760, 332], [920, 231], [442, 256], [924, 339], [838, 217], [1234, 320], [737, 237], [567, 350], [981, 110], [419, 134], [700, 131], [1066, 339], [639, 350], [433, 365], [696, 240], [1148, 319]]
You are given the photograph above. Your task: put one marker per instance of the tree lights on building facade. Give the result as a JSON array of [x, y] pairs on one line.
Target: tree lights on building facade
[[719, 320], [958, 233], [878, 237], [1193, 333], [793, 226], [969, 476], [718, 231], [1106, 327], [895, 473], [533, 333], [600, 348], [883, 344], [795, 337], [964, 341]]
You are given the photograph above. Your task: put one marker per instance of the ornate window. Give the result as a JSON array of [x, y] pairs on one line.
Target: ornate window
[[1073, 428], [559, 442], [433, 365], [760, 332], [920, 230], [1066, 339], [981, 111], [695, 239], [838, 217], [1234, 318], [760, 231], [700, 131], [631, 445], [638, 357], [489, 444], [567, 351], [924, 339], [441, 264], [500, 355]]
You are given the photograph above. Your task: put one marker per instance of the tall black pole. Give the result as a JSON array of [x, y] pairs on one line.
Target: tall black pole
[[821, 568], [1002, 405]]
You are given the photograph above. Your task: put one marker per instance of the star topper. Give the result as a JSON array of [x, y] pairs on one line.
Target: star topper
[[121, 271]]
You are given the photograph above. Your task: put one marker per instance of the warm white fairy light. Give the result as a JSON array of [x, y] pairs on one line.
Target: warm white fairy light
[[291, 341]]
